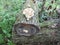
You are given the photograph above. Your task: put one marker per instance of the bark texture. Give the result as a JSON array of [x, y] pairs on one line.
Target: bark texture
[[46, 36], [22, 19]]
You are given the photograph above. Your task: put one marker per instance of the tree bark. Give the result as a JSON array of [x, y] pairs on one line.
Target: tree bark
[[46, 36], [22, 19]]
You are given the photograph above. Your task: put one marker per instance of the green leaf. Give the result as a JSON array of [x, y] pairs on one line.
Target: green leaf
[[10, 43], [1, 39], [6, 33]]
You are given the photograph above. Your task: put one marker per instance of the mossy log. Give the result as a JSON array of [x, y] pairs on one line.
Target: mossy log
[[45, 36], [32, 25]]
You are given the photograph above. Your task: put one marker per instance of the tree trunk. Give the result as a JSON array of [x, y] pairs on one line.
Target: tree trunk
[[22, 19], [45, 36]]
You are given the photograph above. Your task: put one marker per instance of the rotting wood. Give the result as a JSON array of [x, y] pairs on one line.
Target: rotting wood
[[22, 19]]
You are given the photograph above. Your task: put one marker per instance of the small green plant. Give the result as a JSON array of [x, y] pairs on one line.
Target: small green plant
[[8, 11], [49, 9]]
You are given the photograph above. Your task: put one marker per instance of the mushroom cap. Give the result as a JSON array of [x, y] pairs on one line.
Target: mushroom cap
[[28, 12]]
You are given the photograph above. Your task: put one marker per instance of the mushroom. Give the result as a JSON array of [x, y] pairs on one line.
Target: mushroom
[[28, 12]]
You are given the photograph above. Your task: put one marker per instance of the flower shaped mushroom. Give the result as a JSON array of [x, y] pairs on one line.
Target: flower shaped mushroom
[[28, 12]]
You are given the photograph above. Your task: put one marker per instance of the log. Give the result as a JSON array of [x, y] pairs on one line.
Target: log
[[33, 34], [24, 30]]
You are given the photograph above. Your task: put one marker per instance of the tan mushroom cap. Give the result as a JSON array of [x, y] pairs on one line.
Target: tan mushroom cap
[[28, 12]]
